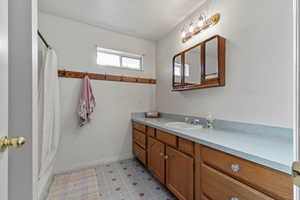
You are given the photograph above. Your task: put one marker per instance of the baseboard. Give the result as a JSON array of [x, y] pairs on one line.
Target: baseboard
[[93, 163]]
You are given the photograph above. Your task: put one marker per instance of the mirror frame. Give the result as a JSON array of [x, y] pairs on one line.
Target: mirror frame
[[205, 83]]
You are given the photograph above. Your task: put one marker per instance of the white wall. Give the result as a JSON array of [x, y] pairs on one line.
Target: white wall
[[76, 44], [108, 136], [258, 65]]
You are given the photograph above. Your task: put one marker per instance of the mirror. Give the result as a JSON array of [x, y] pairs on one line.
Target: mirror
[[211, 59], [192, 70], [177, 71], [204, 65]]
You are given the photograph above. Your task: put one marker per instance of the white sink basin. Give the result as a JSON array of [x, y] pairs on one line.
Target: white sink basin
[[183, 126]]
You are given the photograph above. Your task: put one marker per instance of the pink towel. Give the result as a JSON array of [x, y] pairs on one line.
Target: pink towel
[[87, 102]]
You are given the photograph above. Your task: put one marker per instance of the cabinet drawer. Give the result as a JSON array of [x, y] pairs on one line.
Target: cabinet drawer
[[138, 126], [139, 138], [139, 153], [166, 138], [186, 146], [151, 131], [274, 183], [218, 186]]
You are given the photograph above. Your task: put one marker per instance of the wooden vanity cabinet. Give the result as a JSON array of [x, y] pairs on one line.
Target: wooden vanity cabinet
[[172, 168], [139, 142], [167, 138], [192, 171], [180, 174], [169, 159], [203, 197], [151, 131], [219, 186], [156, 158], [231, 176], [139, 138], [271, 182], [140, 153]]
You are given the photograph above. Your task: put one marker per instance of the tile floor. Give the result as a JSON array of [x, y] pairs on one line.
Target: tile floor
[[124, 180], [129, 180], [77, 185]]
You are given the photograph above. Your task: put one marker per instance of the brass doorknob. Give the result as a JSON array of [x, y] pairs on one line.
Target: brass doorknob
[[14, 142]]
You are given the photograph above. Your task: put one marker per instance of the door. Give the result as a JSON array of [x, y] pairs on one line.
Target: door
[[156, 159], [180, 174], [4, 95], [296, 165]]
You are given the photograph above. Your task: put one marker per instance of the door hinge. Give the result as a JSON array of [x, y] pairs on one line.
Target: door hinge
[[296, 173]]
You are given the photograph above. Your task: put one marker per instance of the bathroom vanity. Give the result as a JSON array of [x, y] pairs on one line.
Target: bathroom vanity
[[192, 167]]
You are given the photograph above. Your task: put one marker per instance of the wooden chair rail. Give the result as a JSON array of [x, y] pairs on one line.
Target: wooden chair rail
[[105, 77]]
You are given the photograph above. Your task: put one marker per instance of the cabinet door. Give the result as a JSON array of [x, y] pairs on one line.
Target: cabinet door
[[180, 174], [156, 160]]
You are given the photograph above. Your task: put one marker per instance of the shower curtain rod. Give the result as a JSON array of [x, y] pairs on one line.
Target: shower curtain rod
[[43, 39]]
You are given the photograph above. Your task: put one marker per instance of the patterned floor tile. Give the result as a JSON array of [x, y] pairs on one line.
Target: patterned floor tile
[[80, 185], [129, 180], [126, 180]]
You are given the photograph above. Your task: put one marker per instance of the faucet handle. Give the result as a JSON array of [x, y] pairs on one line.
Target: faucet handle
[[195, 122], [210, 117], [210, 120], [186, 119]]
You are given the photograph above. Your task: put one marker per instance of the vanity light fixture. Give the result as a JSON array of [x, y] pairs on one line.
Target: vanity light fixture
[[202, 24]]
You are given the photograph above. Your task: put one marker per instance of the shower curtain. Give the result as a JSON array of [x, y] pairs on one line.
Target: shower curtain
[[49, 111]]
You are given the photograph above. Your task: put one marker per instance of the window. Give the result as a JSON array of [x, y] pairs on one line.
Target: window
[[178, 70], [109, 57]]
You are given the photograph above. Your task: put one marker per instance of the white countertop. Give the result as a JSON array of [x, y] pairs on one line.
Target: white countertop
[[272, 151]]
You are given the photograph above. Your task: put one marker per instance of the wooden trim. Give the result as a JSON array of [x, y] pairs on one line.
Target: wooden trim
[[221, 60], [198, 161], [193, 87], [203, 62], [211, 81], [173, 72], [105, 77], [182, 68], [205, 83], [199, 44]]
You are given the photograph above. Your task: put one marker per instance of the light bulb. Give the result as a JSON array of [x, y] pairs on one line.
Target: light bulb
[[191, 29], [200, 23], [183, 34]]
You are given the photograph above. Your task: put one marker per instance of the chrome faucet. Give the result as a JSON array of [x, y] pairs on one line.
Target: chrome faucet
[[195, 122], [210, 121]]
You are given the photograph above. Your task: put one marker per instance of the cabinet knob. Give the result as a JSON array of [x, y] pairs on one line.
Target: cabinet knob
[[234, 198], [161, 154], [166, 157], [235, 168]]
